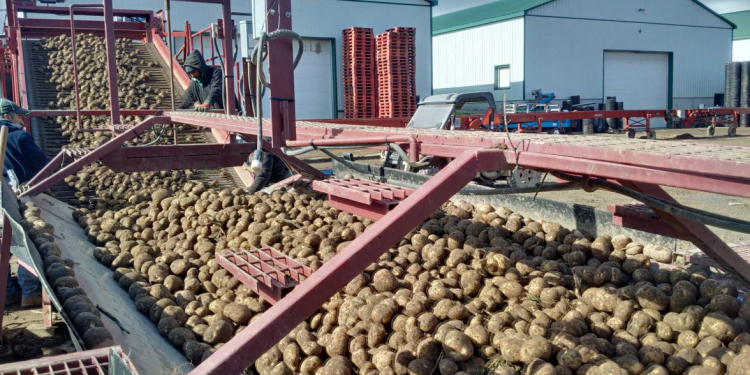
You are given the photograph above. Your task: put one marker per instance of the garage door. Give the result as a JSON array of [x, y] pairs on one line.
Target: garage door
[[639, 80], [313, 82]]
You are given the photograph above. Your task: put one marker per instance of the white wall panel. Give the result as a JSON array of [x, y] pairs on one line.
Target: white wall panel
[[327, 18], [741, 50], [572, 63], [675, 12], [465, 60]]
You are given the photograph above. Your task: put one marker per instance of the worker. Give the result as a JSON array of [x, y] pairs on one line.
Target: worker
[[22, 155], [206, 90], [272, 170], [25, 159]]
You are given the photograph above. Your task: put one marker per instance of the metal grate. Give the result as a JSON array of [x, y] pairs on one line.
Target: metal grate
[[368, 199], [265, 271], [92, 362]]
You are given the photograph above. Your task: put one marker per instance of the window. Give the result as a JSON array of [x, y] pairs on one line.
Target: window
[[502, 77]]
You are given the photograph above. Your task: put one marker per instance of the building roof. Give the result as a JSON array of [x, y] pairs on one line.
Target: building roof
[[742, 20], [501, 10], [493, 12]]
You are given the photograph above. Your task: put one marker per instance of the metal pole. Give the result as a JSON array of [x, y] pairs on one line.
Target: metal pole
[[171, 51], [109, 37], [168, 9], [228, 57]]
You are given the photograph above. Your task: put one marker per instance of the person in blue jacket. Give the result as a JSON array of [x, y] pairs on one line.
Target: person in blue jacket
[[25, 159]]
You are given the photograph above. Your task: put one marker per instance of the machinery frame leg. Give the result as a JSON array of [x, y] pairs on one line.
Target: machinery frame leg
[[4, 265], [298, 305], [698, 234]]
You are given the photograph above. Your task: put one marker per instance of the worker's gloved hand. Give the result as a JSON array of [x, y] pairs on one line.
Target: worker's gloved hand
[[202, 107]]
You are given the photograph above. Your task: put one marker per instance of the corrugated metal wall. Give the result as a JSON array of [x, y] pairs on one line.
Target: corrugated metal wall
[[465, 60], [741, 50], [327, 18], [565, 55]]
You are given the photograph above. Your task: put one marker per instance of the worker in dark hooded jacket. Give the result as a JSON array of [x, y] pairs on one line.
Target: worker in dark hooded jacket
[[25, 159], [206, 90], [22, 155]]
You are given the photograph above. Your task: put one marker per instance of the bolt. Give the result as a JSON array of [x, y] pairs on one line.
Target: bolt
[[272, 12], [288, 14]]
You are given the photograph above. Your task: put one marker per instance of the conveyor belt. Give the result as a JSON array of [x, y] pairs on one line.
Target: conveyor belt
[[48, 135]]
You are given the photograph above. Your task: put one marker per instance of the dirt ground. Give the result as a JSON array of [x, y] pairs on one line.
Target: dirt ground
[[24, 336], [725, 205]]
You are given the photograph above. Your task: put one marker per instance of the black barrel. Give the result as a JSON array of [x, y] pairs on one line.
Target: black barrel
[[611, 105], [718, 100], [745, 93], [576, 99], [732, 84]]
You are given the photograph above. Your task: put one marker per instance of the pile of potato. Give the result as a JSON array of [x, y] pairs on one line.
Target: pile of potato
[[79, 308], [114, 190], [134, 86], [474, 289]]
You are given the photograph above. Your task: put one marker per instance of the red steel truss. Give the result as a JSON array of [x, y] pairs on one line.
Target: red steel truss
[[638, 165]]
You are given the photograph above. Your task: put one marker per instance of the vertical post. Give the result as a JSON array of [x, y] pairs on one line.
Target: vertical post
[[4, 262], [109, 38], [168, 15], [280, 65], [228, 57]]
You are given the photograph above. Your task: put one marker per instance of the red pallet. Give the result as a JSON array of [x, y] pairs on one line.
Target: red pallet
[[359, 73]]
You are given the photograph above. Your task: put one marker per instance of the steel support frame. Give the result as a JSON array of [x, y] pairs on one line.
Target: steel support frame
[[281, 63], [300, 303], [92, 156]]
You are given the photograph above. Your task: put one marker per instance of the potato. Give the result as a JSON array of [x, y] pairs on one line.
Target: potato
[[384, 281], [179, 336], [218, 332], [650, 297], [97, 337], [338, 365], [458, 346], [719, 326], [724, 303], [85, 321]]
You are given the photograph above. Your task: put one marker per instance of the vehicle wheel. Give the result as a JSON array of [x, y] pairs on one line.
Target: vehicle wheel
[[631, 133], [556, 131], [524, 178], [710, 131], [732, 131], [652, 134]]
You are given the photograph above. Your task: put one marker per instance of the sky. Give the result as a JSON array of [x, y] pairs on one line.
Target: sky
[[719, 6]]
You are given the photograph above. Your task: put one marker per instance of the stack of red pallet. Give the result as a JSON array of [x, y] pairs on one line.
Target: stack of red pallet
[[397, 93], [358, 66]]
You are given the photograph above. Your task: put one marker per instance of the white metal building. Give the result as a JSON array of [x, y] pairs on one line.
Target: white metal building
[[741, 45], [649, 54], [318, 83]]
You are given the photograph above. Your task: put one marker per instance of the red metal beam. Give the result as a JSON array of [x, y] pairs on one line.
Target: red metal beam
[[642, 218], [198, 156], [280, 63], [305, 299], [92, 156], [64, 11], [697, 233], [179, 73]]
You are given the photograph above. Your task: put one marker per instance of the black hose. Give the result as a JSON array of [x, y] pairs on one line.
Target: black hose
[[464, 191], [671, 208]]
